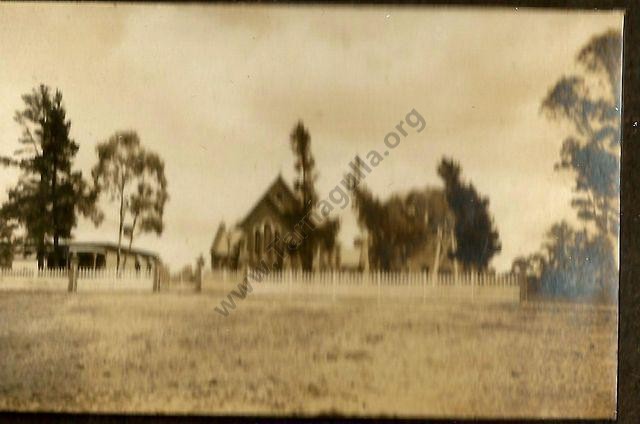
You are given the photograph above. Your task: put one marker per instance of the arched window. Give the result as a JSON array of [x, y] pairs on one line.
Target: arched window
[[257, 243], [277, 249], [267, 236]]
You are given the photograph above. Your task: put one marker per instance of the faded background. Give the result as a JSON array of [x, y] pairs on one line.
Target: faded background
[[215, 90]]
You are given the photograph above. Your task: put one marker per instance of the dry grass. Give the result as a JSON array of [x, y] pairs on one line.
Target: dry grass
[[170, 352]]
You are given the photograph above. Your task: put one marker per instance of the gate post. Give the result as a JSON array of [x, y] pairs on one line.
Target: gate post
[[156, 278], [73, 275], [198, 278], [524, 287]]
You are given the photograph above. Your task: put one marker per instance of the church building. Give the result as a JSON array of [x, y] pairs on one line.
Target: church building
[[254, 238]]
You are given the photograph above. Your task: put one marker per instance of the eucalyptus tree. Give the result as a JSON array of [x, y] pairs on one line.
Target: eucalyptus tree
[[580, 262], [134, 179], [590, 100]]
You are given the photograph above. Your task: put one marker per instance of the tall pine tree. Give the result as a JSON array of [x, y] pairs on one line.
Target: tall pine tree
[[49, 193], [304, 185]]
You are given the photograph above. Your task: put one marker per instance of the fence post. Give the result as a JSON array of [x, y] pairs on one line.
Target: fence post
[[523, 288], [73, 275], [198, 278], [156, 278]]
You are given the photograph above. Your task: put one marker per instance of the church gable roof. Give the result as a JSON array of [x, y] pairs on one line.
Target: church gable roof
[[278, 197]]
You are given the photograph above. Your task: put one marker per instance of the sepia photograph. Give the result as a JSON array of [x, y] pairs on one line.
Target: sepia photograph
[[310, 210]]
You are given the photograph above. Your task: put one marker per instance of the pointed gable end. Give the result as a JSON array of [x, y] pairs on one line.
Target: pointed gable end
[[278, 197]]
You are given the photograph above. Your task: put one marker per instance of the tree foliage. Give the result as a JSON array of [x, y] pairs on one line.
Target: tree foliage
[[572, 264], [7, 241], [591, 102], [477, 239], [134, 178], [397, 227], [575, 263], [304, 165], [325, 233], [49, 193]]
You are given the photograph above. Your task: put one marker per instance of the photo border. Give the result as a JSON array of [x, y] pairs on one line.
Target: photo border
[[629, 295]]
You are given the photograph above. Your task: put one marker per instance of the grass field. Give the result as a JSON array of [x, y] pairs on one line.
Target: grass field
[[171, 353]]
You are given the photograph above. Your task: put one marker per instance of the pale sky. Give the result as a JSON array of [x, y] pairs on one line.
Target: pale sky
[[216, 90]]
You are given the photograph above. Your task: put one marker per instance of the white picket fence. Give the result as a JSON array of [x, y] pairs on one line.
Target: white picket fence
[[381, 285], [88, 280]]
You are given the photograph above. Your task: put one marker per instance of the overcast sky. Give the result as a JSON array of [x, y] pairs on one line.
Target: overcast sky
[[216, 90]]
